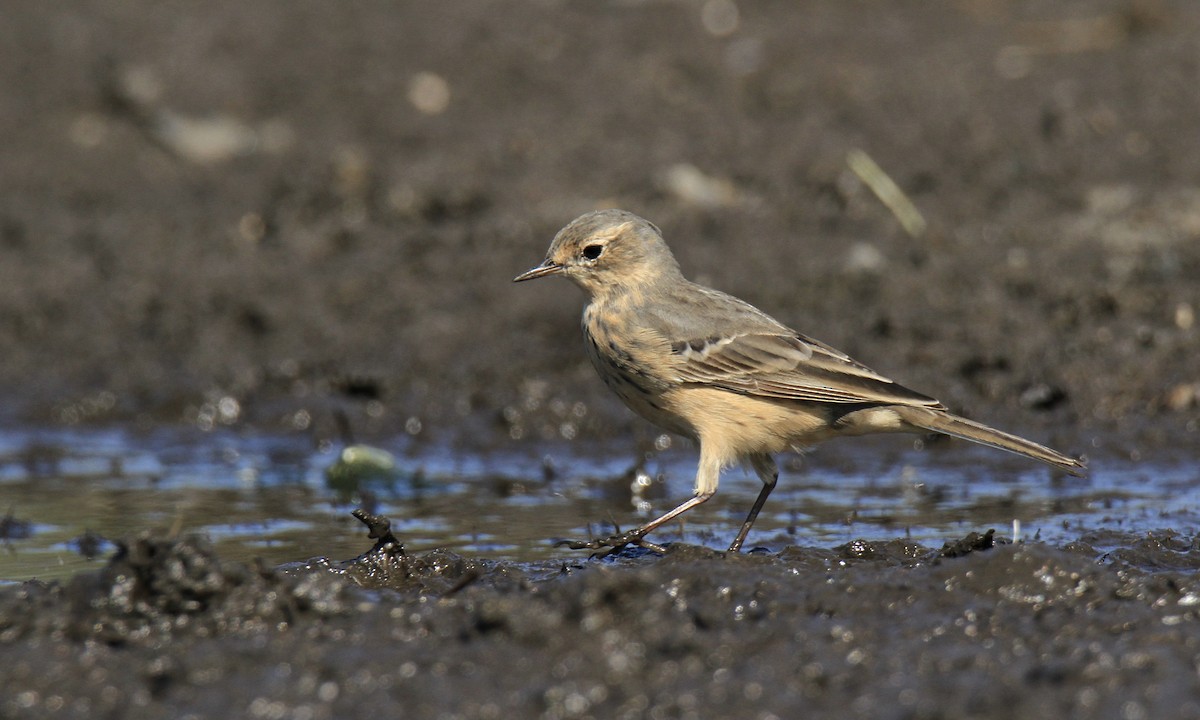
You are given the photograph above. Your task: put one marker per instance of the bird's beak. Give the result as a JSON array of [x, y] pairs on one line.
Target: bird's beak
[[547, 267]]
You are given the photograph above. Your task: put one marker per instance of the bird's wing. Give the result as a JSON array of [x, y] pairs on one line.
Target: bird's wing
[[785, 365], [718, 340]]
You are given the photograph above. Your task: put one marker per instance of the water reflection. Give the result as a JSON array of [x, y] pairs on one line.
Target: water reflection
[[64, 494]]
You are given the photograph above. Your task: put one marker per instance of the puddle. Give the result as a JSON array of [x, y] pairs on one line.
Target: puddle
[[271, 497]]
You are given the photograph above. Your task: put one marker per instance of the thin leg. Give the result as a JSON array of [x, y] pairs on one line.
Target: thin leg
[[634, 537], [768, 471]]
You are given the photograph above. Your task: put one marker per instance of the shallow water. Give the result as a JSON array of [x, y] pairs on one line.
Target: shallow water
[[273, 497]]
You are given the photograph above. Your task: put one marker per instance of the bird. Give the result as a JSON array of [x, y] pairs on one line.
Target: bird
[[710, 367]]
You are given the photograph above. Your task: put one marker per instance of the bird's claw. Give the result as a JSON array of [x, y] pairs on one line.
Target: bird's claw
[[614, 543]]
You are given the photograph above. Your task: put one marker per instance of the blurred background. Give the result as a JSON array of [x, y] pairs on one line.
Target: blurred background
[[279, 214]]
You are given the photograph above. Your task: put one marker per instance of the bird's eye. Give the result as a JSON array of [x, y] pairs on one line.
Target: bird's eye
[[591, 252]]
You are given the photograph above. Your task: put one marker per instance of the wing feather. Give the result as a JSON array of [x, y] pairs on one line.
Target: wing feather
[[787, 367], [718, 340]]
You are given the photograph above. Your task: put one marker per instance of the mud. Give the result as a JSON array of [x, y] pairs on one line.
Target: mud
[[871, 630], [304, 219]]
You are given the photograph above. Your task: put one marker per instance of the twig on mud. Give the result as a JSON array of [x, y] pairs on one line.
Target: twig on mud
[[888, 192], [469, 577], [388, 552]]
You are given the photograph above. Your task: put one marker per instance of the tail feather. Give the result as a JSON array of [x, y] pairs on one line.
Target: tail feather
[[960, 427]]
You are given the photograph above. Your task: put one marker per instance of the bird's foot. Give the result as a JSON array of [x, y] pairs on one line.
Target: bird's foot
[[614, 543]]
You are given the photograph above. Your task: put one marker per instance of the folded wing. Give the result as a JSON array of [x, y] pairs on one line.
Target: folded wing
[[786, 366]]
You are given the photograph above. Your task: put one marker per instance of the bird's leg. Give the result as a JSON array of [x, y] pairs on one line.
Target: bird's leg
[[634, 537], [768, 472]]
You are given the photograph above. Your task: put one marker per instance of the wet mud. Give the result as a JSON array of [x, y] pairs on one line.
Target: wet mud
[[303, 219], [868, 629]]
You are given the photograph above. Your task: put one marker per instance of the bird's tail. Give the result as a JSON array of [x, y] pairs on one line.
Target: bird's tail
[[960, 427]]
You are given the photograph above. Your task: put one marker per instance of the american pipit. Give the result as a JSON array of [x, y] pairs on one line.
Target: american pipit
[[710, 367]]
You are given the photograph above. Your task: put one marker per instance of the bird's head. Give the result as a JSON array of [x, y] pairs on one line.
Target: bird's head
[[607, 252]]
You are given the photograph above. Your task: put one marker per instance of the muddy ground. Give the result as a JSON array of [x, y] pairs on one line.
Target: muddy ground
[[866, 630], [270, 215]]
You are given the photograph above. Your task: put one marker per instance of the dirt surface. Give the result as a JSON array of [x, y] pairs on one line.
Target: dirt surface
[[275, 214], [866, 630]]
